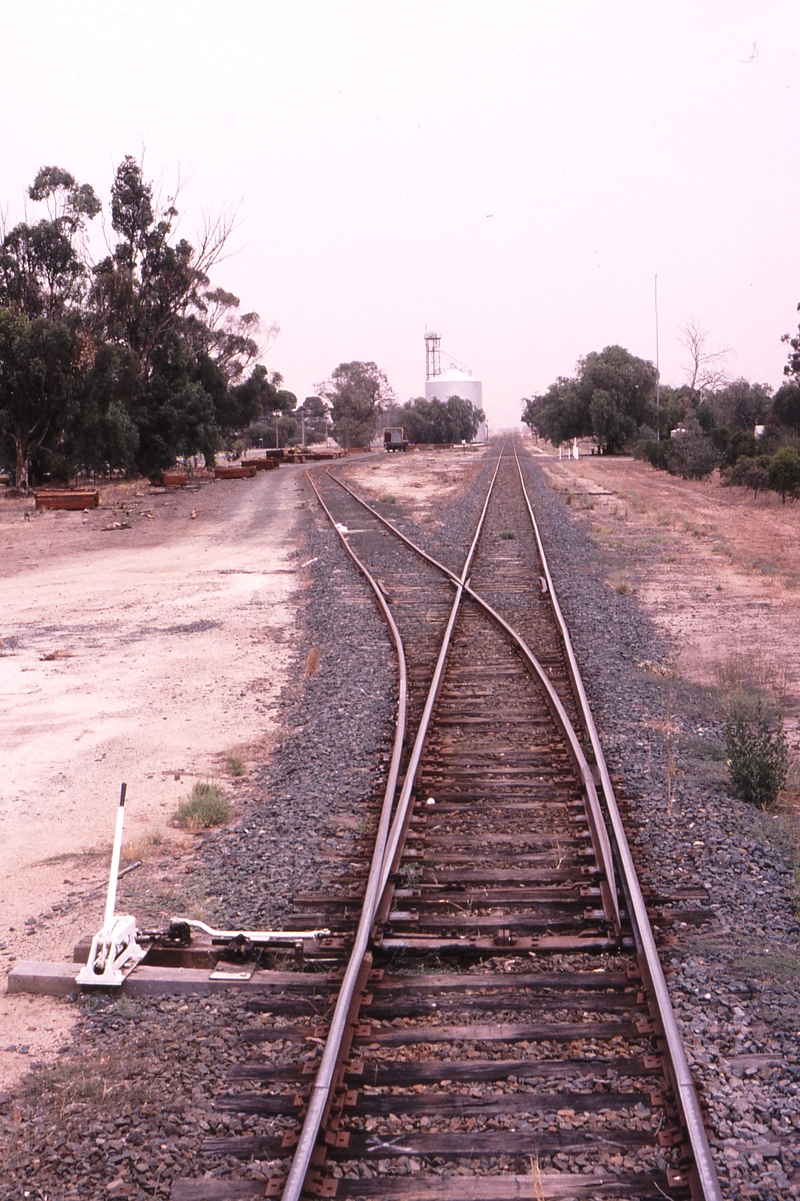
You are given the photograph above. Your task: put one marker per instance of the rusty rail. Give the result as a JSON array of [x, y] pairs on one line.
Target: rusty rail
[[650, 963], [348, 992], [387, 843], [597, 828], [653, 974]]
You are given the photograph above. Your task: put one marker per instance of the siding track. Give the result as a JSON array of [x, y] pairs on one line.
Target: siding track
[[501, 1028]]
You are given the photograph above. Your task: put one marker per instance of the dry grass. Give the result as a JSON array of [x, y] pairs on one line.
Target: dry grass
[[313, 661], [234, 763], [51, 656], [86, 1082], [142, 848], [665, 671], [668, 730], [748, 676]]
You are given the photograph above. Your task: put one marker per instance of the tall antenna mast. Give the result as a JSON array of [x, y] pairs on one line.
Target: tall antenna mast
[[658, 375], [433, 360]]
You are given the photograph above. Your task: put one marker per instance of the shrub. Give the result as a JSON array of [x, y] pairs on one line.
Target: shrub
[[784, 471], [653, 451], [749, 473], [206, 805], [758, 760], [740, 442], [692, 455]]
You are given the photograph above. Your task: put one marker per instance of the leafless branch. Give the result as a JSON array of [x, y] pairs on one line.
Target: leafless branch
[[706, 370]]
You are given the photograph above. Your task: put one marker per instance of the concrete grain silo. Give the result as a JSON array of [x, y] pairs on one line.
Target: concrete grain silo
[[441, 385]]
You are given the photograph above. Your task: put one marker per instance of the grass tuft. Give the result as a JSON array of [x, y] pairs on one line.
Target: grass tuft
[[507, 535], [235, 764], [312, 662], [143, 847], [750, 678], [206, 806]]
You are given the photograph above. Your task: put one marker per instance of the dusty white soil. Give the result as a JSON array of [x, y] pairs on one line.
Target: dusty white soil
[[417, 479], [143, 654]]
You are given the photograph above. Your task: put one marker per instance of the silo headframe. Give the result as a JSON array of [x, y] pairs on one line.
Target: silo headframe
[[433, 358]]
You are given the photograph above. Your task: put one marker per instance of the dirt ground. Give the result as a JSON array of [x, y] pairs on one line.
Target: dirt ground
[[717, 570], [144, 641], [415, 479], [150, 653]]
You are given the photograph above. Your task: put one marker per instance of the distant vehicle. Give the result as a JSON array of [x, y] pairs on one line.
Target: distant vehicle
[[395, 438]]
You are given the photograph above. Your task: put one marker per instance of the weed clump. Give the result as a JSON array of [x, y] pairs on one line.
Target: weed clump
[[758, 759], [312, 662], [235, 763], [142, 848], [206, 806], [754, 689]]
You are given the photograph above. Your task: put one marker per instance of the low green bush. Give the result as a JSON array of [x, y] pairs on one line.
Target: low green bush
[[758, 759], [206, 806]]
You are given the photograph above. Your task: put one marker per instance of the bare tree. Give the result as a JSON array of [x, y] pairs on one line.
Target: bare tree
[[706, 370]]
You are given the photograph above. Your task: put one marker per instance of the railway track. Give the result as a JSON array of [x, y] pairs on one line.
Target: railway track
[[495, 1024]]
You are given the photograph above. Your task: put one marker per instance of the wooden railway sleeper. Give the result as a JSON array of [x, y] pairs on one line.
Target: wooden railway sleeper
[[350, 1029], [502, 932]]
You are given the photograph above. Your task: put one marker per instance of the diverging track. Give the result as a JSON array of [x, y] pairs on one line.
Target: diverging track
[[502, 1028]]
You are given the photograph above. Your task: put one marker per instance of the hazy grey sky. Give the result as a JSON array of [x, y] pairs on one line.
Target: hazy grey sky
[[513, 175]]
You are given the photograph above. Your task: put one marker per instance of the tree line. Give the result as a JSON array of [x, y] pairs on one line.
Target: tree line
[[129, 362], [361, 401], [134, 361], [690, 431]]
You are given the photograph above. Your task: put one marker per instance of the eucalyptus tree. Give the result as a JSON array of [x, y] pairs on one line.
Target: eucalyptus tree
[[610, 398], [143, 359], [40, 371], [356, 393]]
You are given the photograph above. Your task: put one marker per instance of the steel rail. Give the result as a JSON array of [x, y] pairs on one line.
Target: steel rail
[[600, 841], [380, 872], [704, 1171], [325, 1074], [403, 811], [683, 1085]]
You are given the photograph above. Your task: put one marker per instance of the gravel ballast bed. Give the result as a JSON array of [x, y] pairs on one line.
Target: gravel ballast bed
[[160, 1063], [143, 1075], [734, 983]]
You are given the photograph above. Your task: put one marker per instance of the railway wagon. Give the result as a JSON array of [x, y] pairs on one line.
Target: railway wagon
[[394, 438]]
